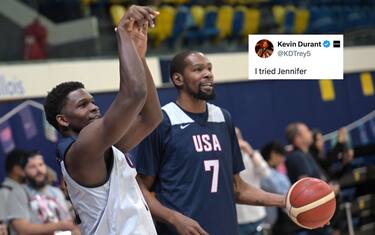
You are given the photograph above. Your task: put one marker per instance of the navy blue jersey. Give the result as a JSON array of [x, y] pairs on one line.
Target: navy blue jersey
[[193, 158]]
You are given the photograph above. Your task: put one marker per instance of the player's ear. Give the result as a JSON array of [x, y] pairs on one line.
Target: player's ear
[[177, 79], [62, 121]]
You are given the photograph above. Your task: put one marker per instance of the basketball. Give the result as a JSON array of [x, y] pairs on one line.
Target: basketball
[[310, 203]]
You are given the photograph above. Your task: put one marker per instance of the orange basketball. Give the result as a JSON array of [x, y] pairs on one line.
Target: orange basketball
[[310, 203]]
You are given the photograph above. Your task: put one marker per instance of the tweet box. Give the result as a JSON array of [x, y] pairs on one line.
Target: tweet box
[[296, 57]]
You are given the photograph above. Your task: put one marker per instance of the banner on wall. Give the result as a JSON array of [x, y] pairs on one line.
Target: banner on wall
[[363, 134], [6, 137], [372, 127], [20, 81], [28, 122], [361, 131]]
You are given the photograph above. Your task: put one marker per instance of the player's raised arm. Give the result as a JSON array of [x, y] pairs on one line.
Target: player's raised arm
[[150, 115], [100, 134]]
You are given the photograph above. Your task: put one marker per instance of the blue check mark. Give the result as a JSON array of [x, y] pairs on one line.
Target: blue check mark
[[326, 43]]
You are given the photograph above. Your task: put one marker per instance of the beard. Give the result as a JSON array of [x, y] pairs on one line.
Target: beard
[[36, 184], [202, 95]]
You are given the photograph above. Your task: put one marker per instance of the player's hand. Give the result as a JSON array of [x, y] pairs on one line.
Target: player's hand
[[139, 32], [187, 226], [139, 38], [335, 187], [136, 22], [136, 16]]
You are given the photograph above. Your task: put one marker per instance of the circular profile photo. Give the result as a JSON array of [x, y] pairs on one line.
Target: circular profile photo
[[264, 48]]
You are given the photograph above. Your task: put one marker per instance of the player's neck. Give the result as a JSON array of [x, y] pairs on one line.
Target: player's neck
[[191, 104]]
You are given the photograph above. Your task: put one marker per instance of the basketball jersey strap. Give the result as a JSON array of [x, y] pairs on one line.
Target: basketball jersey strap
[[177, 116]]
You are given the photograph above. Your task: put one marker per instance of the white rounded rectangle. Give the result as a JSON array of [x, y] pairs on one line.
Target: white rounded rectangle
[[296, 56]]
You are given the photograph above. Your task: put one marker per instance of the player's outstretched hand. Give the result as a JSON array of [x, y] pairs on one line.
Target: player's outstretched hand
[[187, 226], [136, 21], [137, 16]]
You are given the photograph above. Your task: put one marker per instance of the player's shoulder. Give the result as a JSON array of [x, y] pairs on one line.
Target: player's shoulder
[[174, 115], [217, 110], [63, 146], [164, 125], [166, 120]]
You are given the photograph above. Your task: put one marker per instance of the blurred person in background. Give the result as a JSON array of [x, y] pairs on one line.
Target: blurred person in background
[[276, 182], [337, 161], [15, 177], [250, 218], [37, 207]]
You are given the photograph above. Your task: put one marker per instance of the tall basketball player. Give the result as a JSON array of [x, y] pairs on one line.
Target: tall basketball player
[[100, 178], [192, 160]]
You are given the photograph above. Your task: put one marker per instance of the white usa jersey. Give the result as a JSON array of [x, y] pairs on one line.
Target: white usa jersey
[[114, 208]]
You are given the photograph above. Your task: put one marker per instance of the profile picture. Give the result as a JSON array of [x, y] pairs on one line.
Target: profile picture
[[264, 48]]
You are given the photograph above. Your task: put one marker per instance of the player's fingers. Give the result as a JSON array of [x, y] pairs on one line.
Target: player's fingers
[[145, 14], [152, 12], [145, 27], [130, 24], [200, 230], [138, 17], [153, 15], [194, 232]]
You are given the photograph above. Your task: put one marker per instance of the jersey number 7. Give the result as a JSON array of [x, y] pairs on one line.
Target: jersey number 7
[[214, 165]]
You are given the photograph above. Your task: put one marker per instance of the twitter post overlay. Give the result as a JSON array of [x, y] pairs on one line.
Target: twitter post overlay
[[297, 56]]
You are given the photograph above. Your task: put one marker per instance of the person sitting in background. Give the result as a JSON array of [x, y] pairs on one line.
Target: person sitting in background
[[337, 161], [15, 177], [299, 162], [36, 207], [250, 218], [276, 182]]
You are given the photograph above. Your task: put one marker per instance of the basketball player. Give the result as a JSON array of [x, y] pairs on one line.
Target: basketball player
[[192, 160], [100, 179]]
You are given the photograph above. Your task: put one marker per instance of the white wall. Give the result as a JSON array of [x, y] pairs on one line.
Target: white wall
[[18, 81]]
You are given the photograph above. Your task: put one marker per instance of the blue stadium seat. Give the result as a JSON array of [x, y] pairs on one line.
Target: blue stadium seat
[[238, 22], [207, 31], [179, 24], [289, 20]]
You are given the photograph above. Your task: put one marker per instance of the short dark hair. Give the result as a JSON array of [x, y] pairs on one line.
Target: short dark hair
[[16, 157], [178, 62], [272, 146], [56, 99], [30, 154], [315, 133], [292, 131]]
